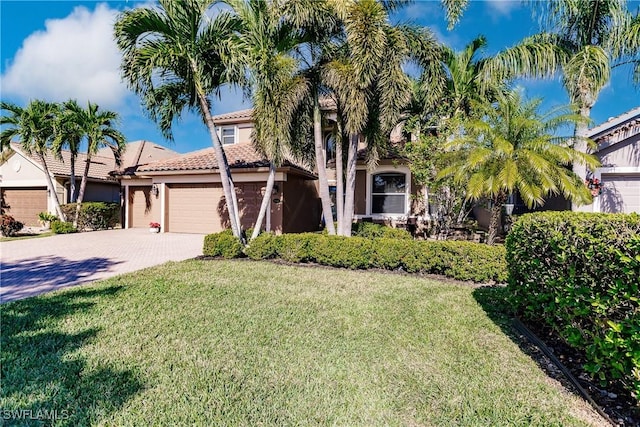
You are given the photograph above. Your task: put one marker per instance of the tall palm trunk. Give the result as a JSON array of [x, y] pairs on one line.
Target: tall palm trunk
[[321, 166], [83, 186], [339, 180], [72, 182], [266, 200], [52, 188], [350, 187], [580, 144], [223, 166]]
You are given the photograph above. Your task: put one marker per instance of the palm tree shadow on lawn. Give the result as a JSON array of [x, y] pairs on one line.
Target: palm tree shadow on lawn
[[42, 371]]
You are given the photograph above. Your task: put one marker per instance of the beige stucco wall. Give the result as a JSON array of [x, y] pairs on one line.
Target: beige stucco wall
[[26, 175], [244, 133]]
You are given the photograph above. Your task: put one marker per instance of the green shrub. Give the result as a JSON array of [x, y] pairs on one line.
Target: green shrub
[[371, 230], [297, 247], [94, 215], [264, 246], [46, 217], [60, 227], [222, 244], [459, 260], [579, 274], [9, 226], [340, 251]]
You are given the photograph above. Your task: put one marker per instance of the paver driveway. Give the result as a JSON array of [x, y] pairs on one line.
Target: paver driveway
[[34, 266]]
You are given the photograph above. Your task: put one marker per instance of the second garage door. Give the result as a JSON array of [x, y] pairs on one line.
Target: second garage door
[[621, 193], [195, 208], [25, 203]]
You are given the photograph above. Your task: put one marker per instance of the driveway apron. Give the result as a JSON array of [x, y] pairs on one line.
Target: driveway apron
[[34, 266]]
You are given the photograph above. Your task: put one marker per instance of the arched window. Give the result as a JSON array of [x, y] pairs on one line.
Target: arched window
[[330, 147], [389, 193]]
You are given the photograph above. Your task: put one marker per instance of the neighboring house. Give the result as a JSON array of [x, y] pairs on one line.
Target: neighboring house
[[23, 186], [618, 148], [184, 194]]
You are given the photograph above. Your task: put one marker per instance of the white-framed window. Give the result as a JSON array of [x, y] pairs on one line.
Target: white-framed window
[[389, 193], [228, 134]]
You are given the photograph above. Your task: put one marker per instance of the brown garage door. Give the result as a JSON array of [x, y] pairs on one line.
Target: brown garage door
[[195, 208], [621, 193], [25, 203], [143, 207]]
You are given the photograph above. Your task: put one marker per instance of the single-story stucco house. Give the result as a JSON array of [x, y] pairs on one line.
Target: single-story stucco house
[[23, 185], [618, 148]]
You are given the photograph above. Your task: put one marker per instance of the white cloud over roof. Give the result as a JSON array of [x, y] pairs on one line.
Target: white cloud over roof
[[75, 57]]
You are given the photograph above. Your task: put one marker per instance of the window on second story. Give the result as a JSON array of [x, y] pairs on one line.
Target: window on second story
[[330, 147], [228, 135]]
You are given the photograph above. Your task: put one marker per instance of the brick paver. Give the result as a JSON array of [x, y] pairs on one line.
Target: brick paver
[[34, 266]]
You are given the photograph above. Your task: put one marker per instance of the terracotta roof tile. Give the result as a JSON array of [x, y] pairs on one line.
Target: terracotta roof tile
[[238, 156], [234, 115], [99, 169]]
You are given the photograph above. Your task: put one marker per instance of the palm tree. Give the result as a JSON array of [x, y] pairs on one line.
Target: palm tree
[[99, 129], [268, 42], [369, 85], [69, 135], [35, 127], [585, 40], [515, 148], [176, 57]]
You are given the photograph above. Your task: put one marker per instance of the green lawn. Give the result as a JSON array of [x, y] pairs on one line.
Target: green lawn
[[250, 343]]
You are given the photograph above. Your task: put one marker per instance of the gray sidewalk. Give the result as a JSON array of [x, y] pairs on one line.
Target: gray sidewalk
[[33, 266]]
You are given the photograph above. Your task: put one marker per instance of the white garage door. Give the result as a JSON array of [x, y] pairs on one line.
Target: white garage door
[[621, 193]]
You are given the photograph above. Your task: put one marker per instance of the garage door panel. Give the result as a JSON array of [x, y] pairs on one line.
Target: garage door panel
[[196, 208], [25, 204], [621, 193]]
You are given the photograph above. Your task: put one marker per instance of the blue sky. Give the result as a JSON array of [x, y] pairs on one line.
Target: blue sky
[[56, 50]]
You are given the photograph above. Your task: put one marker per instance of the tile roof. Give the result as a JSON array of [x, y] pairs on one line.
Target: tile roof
[[140, 153], [234, 115], [326, 103], [238, 156], [614, 121], [99, 169]]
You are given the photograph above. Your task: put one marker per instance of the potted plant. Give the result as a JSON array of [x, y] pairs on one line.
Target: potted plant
[[45, 219], [154, 227]]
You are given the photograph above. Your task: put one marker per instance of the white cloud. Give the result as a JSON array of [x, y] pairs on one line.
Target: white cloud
[[503, 7], [74, 57]]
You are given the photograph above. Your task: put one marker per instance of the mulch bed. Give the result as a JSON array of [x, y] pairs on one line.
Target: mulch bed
[[616, 402]]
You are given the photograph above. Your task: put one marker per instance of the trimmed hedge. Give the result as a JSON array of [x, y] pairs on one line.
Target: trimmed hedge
[[222, 244], [94, 215], [579, 274], [60, 227], [372, 230], [459, 260]]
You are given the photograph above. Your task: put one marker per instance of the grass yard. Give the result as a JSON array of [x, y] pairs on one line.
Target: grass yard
[[251, 343]]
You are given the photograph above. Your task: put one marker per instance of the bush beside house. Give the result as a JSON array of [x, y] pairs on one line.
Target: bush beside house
[[579, 274], [94, 215], [459, 260]]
